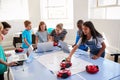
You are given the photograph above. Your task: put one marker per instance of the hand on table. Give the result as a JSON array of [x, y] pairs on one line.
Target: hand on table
[[95, 57], [11, 64]]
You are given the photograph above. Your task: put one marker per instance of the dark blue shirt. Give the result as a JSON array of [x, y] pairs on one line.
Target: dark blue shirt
[[82, 46]]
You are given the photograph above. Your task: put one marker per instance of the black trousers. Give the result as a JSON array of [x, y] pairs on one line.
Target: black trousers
[[1, 76]]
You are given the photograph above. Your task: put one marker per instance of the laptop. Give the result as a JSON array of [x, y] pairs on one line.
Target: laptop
[[45, 47], [18, 58], [64, 46]]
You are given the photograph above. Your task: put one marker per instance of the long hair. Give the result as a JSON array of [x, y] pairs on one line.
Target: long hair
[[42, 23], [94, 32]]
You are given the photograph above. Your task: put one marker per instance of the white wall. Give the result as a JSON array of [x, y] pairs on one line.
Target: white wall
[[111, 29], [34, 12], [18, 25], [80, 11]]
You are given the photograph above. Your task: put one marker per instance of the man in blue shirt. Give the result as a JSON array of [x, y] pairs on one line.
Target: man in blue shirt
[[79, 33]]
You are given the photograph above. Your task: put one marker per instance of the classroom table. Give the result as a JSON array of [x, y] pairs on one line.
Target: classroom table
[[115, 78], [33, 70], [108, 69]]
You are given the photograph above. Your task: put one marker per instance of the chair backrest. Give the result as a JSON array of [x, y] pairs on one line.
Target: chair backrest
[[49, 30]]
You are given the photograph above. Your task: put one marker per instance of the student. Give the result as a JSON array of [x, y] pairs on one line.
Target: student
[[93, 39], [27, 35], [59, 33], [6, 28], [42, 34], [79, 33], [3, 63]]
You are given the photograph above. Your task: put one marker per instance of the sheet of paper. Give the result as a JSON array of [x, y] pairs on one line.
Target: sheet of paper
[[52, 62]]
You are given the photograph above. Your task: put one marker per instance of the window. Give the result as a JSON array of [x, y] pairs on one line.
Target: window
[[118, 2], [13, 9], [104, 9], [57, 11], [113, 13], [106, 2]]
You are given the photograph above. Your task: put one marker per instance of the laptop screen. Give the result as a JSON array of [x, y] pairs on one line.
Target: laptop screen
[[44, 47], [64, 46]]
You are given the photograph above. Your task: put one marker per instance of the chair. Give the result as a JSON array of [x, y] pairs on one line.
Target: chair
[[19, 40], [116, 55]]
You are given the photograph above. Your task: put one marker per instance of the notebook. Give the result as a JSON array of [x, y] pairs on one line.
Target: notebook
[[19, 58]]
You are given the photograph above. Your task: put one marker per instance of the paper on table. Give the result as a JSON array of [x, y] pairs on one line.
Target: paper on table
[[52, 62]]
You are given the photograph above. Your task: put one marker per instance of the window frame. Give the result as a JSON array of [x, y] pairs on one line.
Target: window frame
[[105, 7], [22, 8], [67, 19]]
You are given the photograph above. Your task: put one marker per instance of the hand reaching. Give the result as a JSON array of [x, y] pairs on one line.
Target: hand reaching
[[68, 58]]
